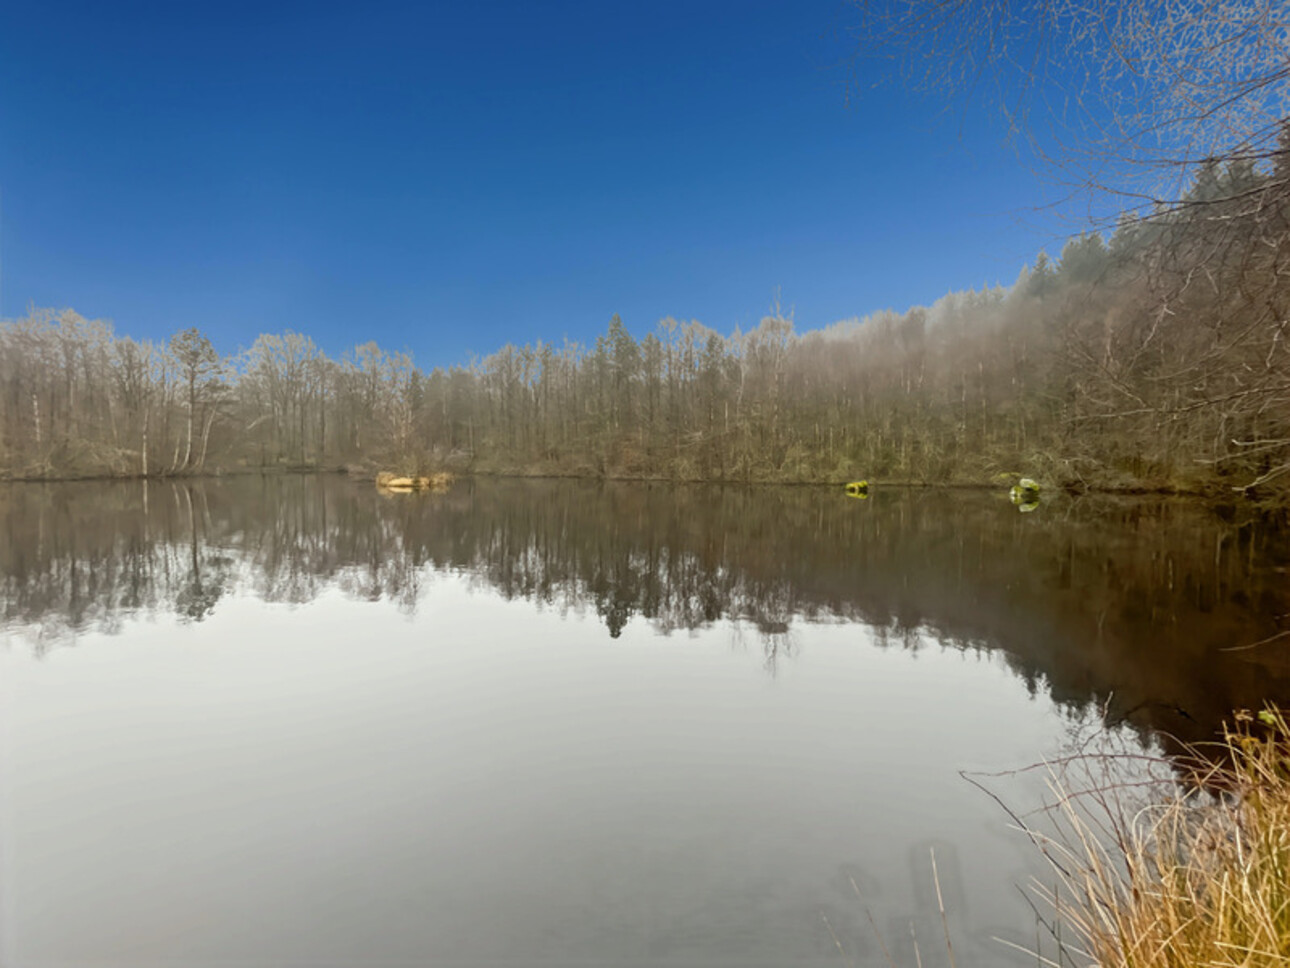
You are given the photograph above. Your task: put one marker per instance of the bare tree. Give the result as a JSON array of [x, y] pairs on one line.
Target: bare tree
[[1126, 96], [1175, 114], [198, 364]]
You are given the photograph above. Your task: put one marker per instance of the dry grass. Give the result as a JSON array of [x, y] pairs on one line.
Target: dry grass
[[1201, 878], [439, 481]]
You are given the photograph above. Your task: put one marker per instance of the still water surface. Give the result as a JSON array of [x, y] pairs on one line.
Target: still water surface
[[268, 721]]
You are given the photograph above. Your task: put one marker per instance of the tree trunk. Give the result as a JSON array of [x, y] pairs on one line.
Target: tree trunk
[[192, 405], [206, 438]]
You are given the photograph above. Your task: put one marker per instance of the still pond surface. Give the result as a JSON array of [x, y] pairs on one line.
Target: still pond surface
[[287, 720]]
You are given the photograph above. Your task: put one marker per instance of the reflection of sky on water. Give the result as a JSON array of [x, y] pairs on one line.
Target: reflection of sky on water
[[268, 719], [480, 781]]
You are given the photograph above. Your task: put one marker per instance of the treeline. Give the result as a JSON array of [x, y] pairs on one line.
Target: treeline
[[1154, 358]]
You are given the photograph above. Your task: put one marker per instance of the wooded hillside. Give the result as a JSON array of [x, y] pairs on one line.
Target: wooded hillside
[[1156, 358]]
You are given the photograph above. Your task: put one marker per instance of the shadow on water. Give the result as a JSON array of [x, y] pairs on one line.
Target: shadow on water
[[1149, 609]]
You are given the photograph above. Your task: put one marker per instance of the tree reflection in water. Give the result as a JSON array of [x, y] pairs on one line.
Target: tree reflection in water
[[1131, 605]]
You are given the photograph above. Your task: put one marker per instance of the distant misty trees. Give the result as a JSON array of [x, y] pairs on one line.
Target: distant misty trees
[[1179, 115], [1156, 357]]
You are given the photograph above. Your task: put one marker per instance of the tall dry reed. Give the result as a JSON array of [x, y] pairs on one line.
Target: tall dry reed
[[1199, 879]]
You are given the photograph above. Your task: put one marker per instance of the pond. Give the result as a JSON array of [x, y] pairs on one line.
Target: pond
[[289, 720]]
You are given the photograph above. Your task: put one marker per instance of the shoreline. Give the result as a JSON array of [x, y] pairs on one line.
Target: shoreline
[[1208, 496]]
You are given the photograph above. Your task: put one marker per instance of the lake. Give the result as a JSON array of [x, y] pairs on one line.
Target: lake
[[290, 720]]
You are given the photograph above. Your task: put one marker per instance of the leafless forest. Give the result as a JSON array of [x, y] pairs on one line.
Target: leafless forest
[[1155, 358], [1151, 355]]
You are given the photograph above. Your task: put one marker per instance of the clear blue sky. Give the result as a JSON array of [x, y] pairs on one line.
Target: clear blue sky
[[446, 178]]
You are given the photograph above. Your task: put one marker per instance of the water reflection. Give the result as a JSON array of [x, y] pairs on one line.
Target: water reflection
[[1132, 606]]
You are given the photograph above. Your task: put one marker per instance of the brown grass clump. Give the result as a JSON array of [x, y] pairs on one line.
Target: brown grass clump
[[1201, 878], [439, 481]]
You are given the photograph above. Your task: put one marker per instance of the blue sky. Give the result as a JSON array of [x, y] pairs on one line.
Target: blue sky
[[449, 178]]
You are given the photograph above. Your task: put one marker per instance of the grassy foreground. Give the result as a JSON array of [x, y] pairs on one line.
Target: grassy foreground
[[1202, 879]]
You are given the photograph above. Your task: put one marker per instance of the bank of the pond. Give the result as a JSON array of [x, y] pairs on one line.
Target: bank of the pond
[[1218, 497], [206, 474], [998, 482], [1201, 878]]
